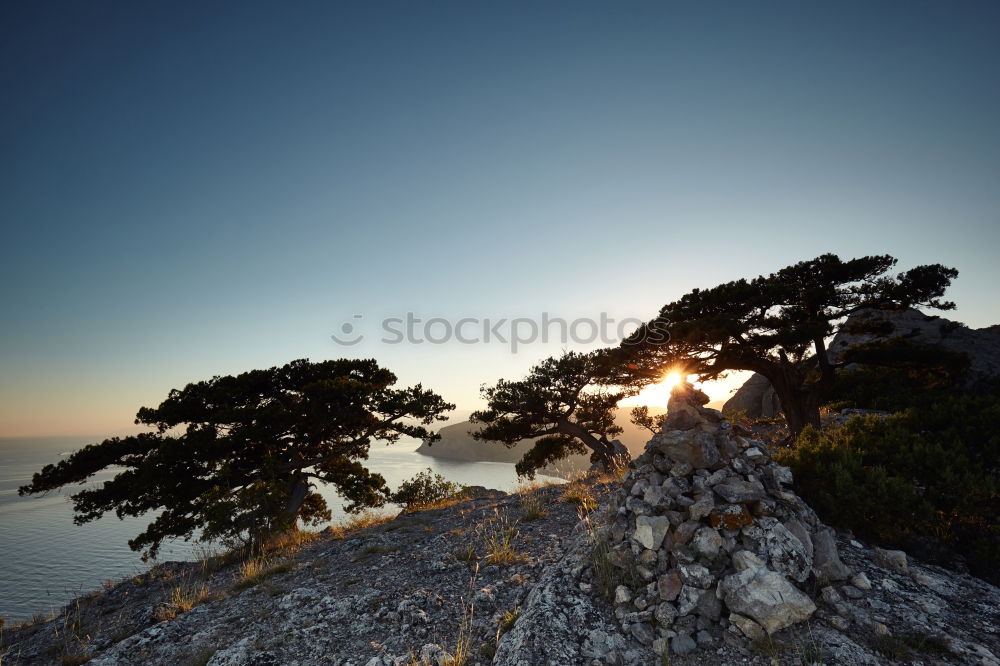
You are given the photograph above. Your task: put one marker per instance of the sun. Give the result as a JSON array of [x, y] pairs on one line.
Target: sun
[[655, 395], [671, 380]]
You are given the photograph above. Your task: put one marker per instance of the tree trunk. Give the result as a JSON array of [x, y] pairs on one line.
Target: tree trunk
[[298, 494], [800, 407], [604, 453], [799, 403]]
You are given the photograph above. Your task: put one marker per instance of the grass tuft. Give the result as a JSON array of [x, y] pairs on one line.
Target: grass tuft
[[531, 485], [183, 597], [359, 521], [533, 508], [258, 569], [498, 539], [578, 494], [507, 621]]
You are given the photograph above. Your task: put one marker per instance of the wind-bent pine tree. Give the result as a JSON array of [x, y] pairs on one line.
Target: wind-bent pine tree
[[568, 403], [778, 325], [234, 458]]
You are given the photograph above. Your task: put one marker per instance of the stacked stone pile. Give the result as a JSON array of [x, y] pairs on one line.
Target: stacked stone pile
[[707, 538]]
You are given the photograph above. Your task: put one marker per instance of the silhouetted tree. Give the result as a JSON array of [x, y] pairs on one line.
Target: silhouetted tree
[[234, 457], [778, 325], [568, 403]]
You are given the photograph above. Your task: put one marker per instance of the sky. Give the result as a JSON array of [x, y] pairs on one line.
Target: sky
[[192, 189]]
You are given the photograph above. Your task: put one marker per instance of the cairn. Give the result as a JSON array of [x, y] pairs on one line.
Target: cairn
[[707, 538]]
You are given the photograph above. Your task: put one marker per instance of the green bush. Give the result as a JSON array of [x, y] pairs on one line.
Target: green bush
[[897, 374], [925, 479], [425, 488]]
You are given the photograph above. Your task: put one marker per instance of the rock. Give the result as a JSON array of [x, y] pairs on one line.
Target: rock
[[893, 560], [798, 528], [756, 398], [434, 655], [785, 552], [650, 530], [767, 597], [860, 581], [827, 566], [732, 517], [852, 592], [744, 559], [736, 491], [682, 644], [687, 600], [707, 542], [623, 595], [701, 507], [707, 518], [665, 614], [709, 606], [695, 575], [982, 346], [681, 470], [750, 629], [696, 449], [831, 596], [840, 623], [642, 633], [669, 585]]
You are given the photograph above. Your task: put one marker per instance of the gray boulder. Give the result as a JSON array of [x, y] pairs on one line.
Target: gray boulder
[[766, 597]]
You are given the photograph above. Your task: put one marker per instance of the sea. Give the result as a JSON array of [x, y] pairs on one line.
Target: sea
[[46, 560]]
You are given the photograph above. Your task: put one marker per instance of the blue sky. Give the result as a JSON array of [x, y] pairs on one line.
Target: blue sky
[[189, 190]]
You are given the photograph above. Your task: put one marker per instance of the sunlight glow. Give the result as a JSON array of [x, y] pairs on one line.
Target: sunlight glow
[[655, 395]]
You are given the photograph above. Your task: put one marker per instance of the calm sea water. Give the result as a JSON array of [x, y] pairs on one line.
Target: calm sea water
[[46, 560]]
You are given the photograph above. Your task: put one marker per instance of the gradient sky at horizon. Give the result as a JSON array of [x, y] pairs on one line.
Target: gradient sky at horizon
[[191, 189]]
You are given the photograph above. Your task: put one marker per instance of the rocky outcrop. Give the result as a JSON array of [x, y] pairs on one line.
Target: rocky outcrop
[[756, 398], [710, 539], [982, 346]]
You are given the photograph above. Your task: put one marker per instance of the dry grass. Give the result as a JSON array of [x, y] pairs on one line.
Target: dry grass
[[533, 507], [289, 542], [466, 630], [498, 537], [531, 485], [183, 597], [507, 621], [359, 521], [607, 576], [619, 466], [465, 553], [442, 503], [579, 494], [258, 569]]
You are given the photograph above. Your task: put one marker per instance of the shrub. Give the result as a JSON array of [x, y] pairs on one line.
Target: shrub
[[925, 479], [425, 488]]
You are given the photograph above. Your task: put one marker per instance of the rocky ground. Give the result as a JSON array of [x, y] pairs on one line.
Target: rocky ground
[[501, 579]]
